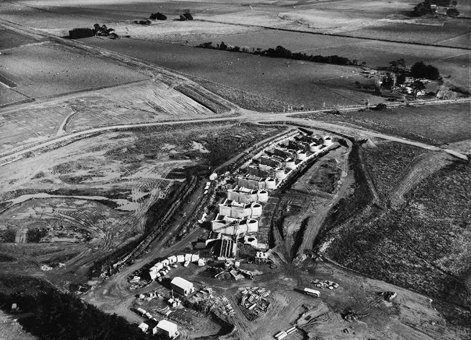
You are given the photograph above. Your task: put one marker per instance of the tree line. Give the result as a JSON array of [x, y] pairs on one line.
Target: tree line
[[281, 52]]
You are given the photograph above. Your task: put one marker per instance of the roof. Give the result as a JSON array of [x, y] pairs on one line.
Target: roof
[[182, 283], [168, 326]]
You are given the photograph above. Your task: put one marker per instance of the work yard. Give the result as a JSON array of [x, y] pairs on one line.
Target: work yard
[[90, 197]]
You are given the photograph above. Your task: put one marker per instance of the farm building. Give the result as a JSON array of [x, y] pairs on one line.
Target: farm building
[[166, 329], [182, 286]]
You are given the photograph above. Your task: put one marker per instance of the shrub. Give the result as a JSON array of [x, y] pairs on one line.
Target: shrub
[[158, 16], [452, 12], [380, 107]]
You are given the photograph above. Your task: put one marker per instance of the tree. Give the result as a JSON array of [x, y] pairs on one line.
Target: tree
[[420, 70], [222, 46]]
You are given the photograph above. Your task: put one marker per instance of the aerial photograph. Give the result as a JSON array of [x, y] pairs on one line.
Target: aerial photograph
[[235, 169]]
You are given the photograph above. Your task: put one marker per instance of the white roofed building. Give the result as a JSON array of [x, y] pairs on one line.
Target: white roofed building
[[166, 329], [182, 286]]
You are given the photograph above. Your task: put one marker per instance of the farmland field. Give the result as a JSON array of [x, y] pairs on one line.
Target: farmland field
[[148, 101], [297, 83], [440, 34], [45, 70], [9, 96], [375, 53], [438, 124], [10, 39]]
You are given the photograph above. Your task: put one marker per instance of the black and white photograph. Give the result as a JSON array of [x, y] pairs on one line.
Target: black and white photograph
[[235, 170]]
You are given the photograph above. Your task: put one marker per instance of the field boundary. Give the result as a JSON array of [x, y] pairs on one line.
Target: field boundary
[[333, 34]]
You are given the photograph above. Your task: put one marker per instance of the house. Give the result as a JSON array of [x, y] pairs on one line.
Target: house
[[166, 329], [182, 286]]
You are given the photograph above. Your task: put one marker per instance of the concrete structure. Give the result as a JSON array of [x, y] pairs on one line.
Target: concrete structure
[[301, 155], [246, 195], [166, 329], [182, 286], [235, 209], [251, 182], [280, 174], [269, 161], [270, 184], [261, 257], [290, 164], [228, 249], [283, 153], [232, 226], [172, 259], [263, 171]]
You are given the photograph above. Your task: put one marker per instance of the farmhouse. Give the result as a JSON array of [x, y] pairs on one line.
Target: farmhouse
[[182, 286]]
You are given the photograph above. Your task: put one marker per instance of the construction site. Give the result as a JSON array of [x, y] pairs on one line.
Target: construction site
[[154, 189]]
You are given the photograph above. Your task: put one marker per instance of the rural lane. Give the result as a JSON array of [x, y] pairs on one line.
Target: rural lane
[[243, 115]]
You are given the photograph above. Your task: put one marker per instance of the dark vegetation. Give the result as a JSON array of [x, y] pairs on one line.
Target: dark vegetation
[[34, 235], [7, 235], [281, 52], [186, 16], [50, 314], [421, 246], [420, 70], [326, 178], [6, 258], [387, 162], [158, 16], [431, 7], [97, 30], [352, 205]]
